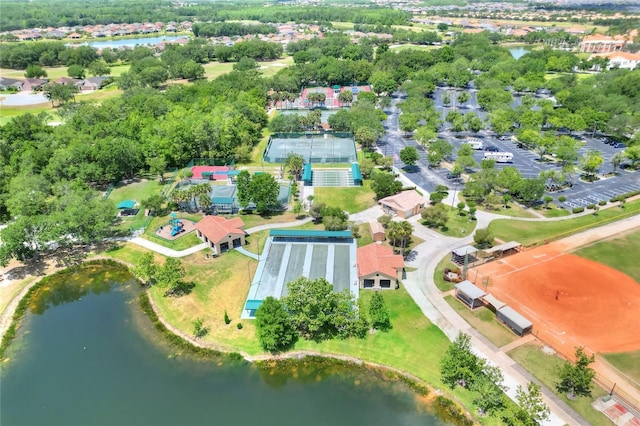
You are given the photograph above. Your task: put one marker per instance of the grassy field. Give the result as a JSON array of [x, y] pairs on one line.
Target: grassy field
[[626, 362], [483, 320], [457, 226], [352, 199], [553, 211], [528, 233], [365, 235], [267, 69], [544, 368], [620, 253]]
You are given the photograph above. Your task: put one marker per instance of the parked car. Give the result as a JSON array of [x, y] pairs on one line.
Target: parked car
[[504, 138], [453, 175], [619, 145], [491, 148]]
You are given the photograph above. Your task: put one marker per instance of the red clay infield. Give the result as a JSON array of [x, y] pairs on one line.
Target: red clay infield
[[571, 301]]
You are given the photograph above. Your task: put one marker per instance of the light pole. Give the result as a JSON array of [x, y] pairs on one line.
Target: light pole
[[455, 188]]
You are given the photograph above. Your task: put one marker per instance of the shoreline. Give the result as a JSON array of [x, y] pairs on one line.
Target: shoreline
[[417, 385]]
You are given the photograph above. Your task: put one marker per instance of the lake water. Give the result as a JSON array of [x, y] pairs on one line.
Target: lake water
[[518, 52], [131, 42], [86, 355]]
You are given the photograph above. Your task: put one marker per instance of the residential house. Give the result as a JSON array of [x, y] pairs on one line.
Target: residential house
[[599, 43], [623, 60], [9, 83], [31, 84], [404, 204], [378, 267], [94, 83], [221, 234]]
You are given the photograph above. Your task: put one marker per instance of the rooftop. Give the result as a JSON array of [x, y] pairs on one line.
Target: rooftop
[[215, 228], [375, 257], [405, 200]]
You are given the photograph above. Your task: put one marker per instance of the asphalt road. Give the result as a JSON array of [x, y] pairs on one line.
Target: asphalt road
[[527, 162]]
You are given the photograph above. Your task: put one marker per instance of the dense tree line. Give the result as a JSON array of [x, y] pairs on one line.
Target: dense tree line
[[57, 13], [221, 29]]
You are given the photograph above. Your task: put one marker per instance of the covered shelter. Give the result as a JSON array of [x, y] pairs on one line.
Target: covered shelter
[[221, 234], [126, 204], [307, 175], [504, 249], [403, 204], [458, 255], [494, 302], [469, 294], [516, 322], [378, 266], [356, 174]]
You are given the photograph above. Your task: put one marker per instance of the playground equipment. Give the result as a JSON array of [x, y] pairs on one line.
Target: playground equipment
[[176, 225]]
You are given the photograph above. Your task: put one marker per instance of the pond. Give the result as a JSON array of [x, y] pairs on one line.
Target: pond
[[86, 354], [518, 52], [130, 42]]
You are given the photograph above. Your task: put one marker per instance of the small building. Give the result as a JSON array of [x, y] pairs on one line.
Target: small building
[[469, 252], [377, 230], [403, 204], [378, 266], [94, 83], [516, 322], [31, 84], [469, 294], [8, 83], [221, 234]]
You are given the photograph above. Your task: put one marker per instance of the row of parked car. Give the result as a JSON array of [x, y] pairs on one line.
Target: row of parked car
[[612, 142]]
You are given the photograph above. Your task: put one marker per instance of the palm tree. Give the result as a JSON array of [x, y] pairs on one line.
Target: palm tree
[[198, 191], [205, 202], [399, 233]]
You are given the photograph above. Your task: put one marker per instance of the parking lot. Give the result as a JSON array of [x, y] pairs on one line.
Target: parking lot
[[527, 162]]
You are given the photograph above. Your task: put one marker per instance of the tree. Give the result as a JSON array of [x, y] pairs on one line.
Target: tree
[[76, 71], [315, 211], [425, 135], [633, 154], [532, 409], [35, 71], [384, 220], [366, 137], [399, 232], [576, 378], [460, 206], [199, 330], [146, 269], [459, 365], [99, 68], [157, 166], [153, 203], [483, 237], [345, 97], [409, 155], [547, 199], [385, 184], [530, 190], [61, 93], [273, 326], [243, 185], [366, 167], [490, 390], [170, 277], [295, 164], [435, 216], [378, 313], [616, 160], [319, 313], [191, 70], [591, 162], [264, 192], [383, 82]]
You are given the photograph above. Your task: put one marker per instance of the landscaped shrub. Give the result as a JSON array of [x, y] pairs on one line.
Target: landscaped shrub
[[577, 210], [227, 320], [239, 326], [562, 198], [614, 199], [591, 206], [602, 202]]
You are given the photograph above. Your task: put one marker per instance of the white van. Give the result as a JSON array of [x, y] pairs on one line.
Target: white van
[[475, 143], [499, 157]]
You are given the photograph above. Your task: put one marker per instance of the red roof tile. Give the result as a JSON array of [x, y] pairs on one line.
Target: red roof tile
[[375, 257], [216, 228]]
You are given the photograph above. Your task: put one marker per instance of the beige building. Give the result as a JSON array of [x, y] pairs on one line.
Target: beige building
[[404, 204], [221, 234], [377, 230], [378, 267]]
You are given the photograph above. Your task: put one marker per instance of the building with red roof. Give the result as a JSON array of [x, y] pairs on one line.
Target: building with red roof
[[221, 234], [378, 266]]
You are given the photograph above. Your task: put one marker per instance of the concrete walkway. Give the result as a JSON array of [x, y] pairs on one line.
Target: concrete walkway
[[246, 252]]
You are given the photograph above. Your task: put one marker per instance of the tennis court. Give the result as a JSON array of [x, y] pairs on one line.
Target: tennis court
[[313, 147], [324, 113], [290, 254]]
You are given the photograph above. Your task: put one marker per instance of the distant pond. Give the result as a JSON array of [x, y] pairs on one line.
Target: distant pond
[[520, 51], [85, 354], [129, 42]]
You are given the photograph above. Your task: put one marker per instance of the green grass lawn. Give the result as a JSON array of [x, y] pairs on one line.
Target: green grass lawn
[[267, 68], [365, 235], [620, 253], [438, 276], [544, 368], [352, 199], [553, 211], [457, 226], [483, 320], [627, 362], [528, 233], [136, 191]]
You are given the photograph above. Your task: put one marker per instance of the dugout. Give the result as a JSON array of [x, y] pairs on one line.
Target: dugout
[[516, 322], [504, 249], [458, 255], [469, 294]]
